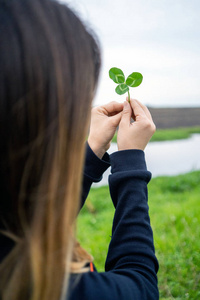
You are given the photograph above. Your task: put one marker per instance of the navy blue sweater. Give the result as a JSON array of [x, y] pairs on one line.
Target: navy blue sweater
[[131, 265]]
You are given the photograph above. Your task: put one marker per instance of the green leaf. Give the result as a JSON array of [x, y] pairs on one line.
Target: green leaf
[[122, 89], [117, 75], [134, 80]]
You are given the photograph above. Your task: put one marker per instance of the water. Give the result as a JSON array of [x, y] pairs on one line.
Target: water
[[168, 157]]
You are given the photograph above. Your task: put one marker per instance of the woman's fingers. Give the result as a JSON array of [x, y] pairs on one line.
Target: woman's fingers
[[104, 121], [139, 133], [126, 114], [116, 119], [137, 108], [113, 107], [145, 109]]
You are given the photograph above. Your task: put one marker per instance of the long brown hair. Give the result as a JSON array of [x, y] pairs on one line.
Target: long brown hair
[[49, 66]]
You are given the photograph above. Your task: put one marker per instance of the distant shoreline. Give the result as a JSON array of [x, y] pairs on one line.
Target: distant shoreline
[[175, 117]]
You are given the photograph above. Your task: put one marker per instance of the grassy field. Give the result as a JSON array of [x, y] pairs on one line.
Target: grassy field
[[175, 218], [171, 134]]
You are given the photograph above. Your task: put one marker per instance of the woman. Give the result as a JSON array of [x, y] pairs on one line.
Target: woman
[[49, 67]]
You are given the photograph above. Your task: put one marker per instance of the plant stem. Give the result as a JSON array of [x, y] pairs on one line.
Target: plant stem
[[128, 97]]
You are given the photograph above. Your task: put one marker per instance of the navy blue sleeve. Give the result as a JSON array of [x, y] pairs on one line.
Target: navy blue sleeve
[[131, 265], [93, 170]]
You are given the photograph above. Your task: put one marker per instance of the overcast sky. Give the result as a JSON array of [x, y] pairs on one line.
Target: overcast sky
[[158, 38]]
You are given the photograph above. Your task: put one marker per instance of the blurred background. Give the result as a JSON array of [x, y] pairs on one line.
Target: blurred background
[[159, 39]]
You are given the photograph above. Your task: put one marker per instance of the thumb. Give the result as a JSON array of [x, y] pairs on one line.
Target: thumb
[[126, 114]]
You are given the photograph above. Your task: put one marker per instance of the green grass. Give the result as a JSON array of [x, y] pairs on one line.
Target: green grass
[[170, 134], [175, 218]]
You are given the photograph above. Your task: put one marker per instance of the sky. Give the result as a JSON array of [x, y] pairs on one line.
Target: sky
[[158, 38]]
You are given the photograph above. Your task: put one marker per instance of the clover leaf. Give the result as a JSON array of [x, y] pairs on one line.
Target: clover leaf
[[133, 80], [122, 89], [117, 75]]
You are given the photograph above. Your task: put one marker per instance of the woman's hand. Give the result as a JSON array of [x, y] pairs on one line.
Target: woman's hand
[[135, 135], [104, 121]]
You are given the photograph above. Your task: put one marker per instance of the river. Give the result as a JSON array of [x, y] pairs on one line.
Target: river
[[168, 157]]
